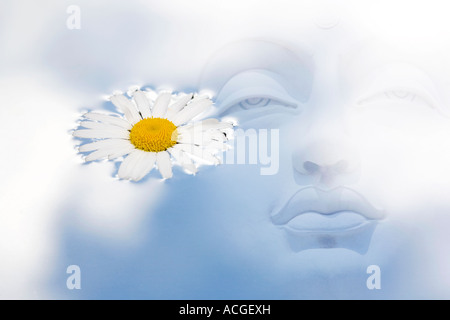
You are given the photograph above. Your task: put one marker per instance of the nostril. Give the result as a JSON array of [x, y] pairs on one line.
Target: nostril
[[311, 167]]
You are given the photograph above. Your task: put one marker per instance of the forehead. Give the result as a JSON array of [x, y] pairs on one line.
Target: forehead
[[301, 20], [355, 30]]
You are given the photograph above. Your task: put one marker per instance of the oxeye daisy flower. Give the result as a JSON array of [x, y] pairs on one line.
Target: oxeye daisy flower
[[157, 132]]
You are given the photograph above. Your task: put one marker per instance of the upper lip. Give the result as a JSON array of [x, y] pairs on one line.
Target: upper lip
[[312, 199]]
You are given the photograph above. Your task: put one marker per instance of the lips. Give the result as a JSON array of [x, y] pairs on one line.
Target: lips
[[327, 203], [338, 218]]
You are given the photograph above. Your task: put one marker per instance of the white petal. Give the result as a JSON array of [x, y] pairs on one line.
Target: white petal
[[182, 158], [103, 144], [96, 155], [129, 164], [180, 103], [127, 107], [118, 133], [146, 164], [201, 138], [137, 170], [164, 164], [111, 152], [193, 133], [120, 151], [194, 108], [205, 125], [209, 124], [217, 135], [190, 138], [198, 153], [216, 145], [169, 114], [143, 104], [189, 128], [98, 125], [203, 96], [108, 119], [161, 104]]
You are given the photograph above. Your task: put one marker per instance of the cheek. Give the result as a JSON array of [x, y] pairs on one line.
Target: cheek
[[236, 212], [405, 157]]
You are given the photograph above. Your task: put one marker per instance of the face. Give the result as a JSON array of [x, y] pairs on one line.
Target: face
[[338, 134], [339, 155]]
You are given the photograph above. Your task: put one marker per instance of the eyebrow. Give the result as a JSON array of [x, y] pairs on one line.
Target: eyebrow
[[368, 57], [294, 70]]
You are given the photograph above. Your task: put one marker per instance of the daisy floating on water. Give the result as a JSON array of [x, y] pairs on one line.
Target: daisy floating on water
[[154, 132]]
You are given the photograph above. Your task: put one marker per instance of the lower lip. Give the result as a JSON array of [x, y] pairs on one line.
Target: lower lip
[[335, 222], [343, 230]]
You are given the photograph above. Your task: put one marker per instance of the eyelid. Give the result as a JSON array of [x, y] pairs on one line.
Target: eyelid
[[256, 92], [253, 83], [271, 106], [398, 92], [402, 77], [284, 102]]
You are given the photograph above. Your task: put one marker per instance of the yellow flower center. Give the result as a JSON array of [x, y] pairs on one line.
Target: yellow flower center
[[153, 134]]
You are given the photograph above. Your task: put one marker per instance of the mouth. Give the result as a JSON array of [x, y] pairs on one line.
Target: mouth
[[338, 218]]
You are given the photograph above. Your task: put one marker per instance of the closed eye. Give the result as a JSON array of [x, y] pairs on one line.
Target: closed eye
[[398, 95], [255, 102]]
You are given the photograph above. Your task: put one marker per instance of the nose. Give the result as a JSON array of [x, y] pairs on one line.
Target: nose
[[326, 162]]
